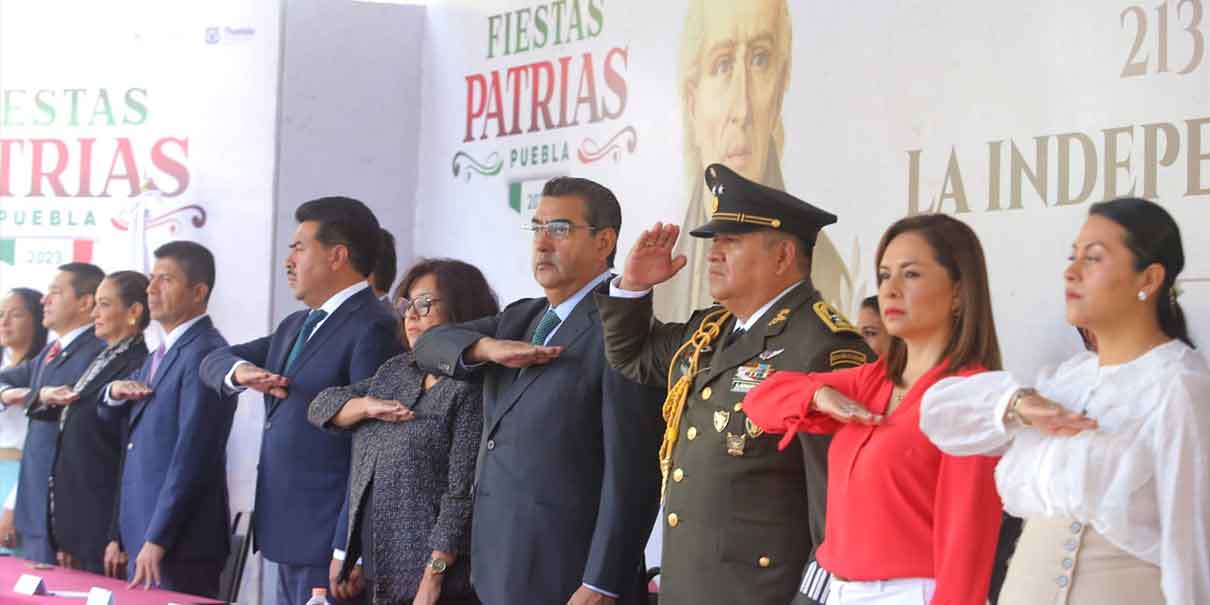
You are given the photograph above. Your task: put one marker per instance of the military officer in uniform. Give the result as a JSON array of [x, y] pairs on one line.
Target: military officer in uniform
[[740, 518]]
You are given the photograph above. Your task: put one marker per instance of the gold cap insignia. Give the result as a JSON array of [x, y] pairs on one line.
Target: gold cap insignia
[[713, 205]]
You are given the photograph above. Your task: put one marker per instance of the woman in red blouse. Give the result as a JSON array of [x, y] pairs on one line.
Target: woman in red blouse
[[906, 523]]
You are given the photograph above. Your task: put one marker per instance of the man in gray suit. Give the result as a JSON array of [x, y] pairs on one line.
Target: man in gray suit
[[568, 478]]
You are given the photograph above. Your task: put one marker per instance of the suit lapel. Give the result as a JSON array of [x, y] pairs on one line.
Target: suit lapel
[[752, 343], [170, 357], [568, 334], [277, 364]]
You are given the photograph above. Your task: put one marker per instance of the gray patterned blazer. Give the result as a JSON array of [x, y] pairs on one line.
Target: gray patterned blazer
[[422, 471]]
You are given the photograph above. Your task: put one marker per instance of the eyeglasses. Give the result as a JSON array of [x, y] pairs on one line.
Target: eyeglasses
[[558, 228], [422, 305]]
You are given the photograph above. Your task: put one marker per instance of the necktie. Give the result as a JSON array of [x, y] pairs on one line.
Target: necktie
[[734, 336], [156, 358], [54, 351], [313, 320], [549, 322]]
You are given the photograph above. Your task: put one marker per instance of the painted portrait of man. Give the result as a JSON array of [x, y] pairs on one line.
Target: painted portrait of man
[[734, 70]]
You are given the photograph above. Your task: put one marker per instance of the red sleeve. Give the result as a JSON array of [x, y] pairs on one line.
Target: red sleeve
[[782, 403], [967, 514]]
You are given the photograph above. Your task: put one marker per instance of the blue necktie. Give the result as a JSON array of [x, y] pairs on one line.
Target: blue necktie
[[549, 322], [313, 320]]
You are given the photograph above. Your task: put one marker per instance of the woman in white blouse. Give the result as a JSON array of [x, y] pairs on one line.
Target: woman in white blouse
[[1108, 460]]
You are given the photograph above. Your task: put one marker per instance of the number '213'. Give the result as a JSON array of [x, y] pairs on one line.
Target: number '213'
[[1136, 65]]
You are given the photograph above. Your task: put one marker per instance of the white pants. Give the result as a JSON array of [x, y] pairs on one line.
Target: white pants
[[907, 591]]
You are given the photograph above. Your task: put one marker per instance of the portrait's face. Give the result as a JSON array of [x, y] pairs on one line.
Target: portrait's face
[[741, 79]]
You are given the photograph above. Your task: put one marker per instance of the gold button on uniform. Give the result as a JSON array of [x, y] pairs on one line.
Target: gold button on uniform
[[673, 519], [764, 561], [707, 392], [678, 475], [691, 433], [739, 405]]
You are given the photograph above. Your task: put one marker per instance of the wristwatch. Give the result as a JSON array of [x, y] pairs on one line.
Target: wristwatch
[[437, 564]]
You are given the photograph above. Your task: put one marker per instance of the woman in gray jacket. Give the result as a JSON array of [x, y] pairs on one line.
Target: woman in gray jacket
[[415, 439]]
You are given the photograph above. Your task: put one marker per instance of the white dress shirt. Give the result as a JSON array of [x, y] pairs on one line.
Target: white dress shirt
[[1142, 479], [330, 306]]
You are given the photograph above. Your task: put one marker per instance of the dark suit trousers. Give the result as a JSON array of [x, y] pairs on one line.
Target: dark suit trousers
[[294, 584], [39, 550], [197, 578]]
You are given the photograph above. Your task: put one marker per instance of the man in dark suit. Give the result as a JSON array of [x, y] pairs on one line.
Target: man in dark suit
[[342, 338], [172, 504], [67, 311], [568, 482]]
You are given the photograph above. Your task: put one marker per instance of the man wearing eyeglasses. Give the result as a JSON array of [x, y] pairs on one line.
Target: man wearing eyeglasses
[[567, 479], [341, 338]]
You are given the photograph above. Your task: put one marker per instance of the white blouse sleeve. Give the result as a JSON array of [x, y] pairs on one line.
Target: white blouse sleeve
[[964, 416], [1182, 476]]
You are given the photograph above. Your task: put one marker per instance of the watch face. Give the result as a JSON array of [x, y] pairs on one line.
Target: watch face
[[438, 565]]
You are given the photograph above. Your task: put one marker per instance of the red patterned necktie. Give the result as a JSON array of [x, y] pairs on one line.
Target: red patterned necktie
[[54, 351]]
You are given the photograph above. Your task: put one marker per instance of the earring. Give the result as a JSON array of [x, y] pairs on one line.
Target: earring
[[133, 322], [1142, 296]]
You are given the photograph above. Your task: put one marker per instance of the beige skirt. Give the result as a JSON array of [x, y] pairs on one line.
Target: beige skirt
[[1065, 562]]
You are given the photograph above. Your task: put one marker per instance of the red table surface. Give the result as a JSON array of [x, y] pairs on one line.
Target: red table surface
[[59, 579]]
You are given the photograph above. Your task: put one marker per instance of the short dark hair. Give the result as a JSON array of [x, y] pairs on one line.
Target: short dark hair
[[385, 268], [32, 301], [870, 302], [132, 288], [195, 260], [344, 221], [956, 248], [601, 207], [1152, 237], [85, 277], [463, 289]]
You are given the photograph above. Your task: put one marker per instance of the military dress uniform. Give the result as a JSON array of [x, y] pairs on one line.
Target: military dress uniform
[[741, 519]]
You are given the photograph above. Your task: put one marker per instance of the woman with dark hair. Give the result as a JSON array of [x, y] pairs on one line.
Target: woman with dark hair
[[906, 522], [415, 439], [869, 324], [1105, 456], [87, 465], [22, 335]]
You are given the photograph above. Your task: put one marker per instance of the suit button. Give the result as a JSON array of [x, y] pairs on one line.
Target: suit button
[[491, 444], [739, 406], [707, 392], [678, 475], [130, 446], [764, 561], [268, 425], [673, 520], [691, 433]]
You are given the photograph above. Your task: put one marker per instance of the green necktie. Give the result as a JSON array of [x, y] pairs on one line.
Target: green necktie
[[549, 322], [313, 319]]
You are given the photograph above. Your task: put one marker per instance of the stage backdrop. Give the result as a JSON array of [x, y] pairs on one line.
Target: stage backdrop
[[1014, 117], [127, 125]]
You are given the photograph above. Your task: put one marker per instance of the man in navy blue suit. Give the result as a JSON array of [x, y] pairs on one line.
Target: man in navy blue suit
[[67, 311], [342, 338], [172, 508]]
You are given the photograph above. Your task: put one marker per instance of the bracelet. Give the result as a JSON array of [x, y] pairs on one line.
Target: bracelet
[[1013, 414]]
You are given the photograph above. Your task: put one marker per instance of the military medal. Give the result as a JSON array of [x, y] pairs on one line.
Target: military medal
[[753, 430], [721, 418], [736, 443], [767, 355]]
